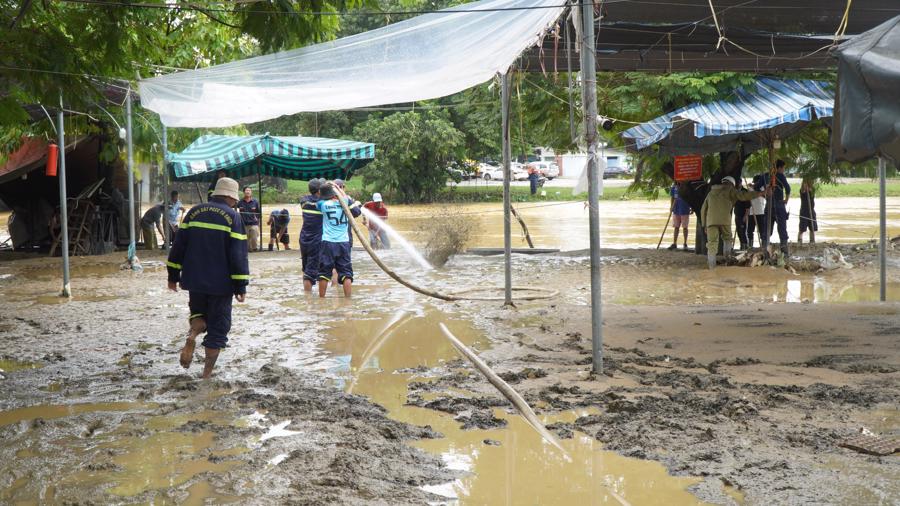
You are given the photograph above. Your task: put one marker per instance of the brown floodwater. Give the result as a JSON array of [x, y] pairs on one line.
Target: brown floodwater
[[624, 223], [523, 468]]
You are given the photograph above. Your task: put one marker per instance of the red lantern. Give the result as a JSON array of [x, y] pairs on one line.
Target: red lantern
[[52, 159]]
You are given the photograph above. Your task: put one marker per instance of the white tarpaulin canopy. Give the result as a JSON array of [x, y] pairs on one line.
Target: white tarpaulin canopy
[[429, 56]]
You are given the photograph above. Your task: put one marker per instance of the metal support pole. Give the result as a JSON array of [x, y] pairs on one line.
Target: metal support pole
[[589, 99], [507, 175], [259, 185], [166, 198], [63, 207], [128, 128], [882, 226]]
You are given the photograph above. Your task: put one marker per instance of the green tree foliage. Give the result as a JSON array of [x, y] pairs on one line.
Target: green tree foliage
[[413, 150], [85, 51]]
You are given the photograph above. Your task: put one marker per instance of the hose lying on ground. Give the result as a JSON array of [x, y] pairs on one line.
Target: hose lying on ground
[[517, 401], [424, 291]]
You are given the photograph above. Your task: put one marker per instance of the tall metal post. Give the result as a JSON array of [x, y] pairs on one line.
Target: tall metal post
[[882, 226], [131, 238], [63, 208], [260, 199], [589, 99], [166, 198], [507, 175]]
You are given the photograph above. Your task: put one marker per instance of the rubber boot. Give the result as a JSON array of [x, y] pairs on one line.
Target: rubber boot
[[711, 260], [726, 248], [785, 249]]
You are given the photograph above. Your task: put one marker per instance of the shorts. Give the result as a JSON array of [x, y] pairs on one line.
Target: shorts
[[309, 255], [681, 220], [335, 255], [216, 310], [273, 233]]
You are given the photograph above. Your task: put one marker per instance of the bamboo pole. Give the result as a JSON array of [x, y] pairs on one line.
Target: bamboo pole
[[523, 225], [669, 218]]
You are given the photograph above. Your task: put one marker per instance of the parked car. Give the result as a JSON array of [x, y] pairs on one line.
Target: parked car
[[519, 172], [615, 171], [491, 172], [547, 169]]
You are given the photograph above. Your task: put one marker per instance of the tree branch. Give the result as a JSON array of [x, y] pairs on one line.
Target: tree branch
[[25, 5], [210, 16]]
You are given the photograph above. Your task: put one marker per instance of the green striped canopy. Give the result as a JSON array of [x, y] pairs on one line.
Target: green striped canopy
[[302, 158]]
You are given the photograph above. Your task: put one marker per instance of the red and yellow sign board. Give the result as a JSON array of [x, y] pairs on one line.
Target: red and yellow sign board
[[688, 168]]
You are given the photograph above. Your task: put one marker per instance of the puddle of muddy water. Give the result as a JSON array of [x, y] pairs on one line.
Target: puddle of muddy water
[[9, 365], [160, 461], [523, 468], [50, 412], [125, 460]]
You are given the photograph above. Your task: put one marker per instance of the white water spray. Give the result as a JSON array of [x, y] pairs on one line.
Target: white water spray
[[397, 239]]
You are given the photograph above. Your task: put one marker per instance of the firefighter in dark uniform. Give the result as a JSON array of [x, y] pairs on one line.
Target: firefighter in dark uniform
[[311, 234], [778, 193], [209, 259]]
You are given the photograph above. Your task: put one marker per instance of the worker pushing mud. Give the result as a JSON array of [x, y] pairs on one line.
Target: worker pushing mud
[[209, 260], [716, 216]]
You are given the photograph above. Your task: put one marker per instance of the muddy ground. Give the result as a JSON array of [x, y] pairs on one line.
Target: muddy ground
[[112, 419], [703, 373], [756, 396]]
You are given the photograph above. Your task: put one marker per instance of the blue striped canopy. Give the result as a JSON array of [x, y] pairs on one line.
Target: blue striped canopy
[[751, 116], [302, 158]]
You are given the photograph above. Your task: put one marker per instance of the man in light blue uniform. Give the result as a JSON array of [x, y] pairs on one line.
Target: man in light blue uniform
[[335, 248]]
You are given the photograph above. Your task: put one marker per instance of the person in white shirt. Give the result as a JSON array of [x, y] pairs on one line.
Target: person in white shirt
[[757, 220]]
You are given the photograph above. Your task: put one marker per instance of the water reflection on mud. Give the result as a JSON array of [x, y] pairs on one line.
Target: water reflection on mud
[[516, 466]]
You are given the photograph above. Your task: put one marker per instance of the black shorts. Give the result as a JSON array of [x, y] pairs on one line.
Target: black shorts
[[273, 233], [309, 253], [216, 310], [335, 255]]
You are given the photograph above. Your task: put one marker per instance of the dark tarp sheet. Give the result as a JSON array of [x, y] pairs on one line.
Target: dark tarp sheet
[[766, 36], [867, 116]]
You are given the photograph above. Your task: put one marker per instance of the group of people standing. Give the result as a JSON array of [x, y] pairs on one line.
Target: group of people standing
[[753, 211]]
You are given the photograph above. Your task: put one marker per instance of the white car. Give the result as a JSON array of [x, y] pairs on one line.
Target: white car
[[547, 169], [489, 172], [519, 172], [494, 173]]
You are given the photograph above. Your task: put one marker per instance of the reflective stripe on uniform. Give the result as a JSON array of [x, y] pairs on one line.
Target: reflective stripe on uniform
[[311, 211], [215, 226], [239, 277], [173, 265]]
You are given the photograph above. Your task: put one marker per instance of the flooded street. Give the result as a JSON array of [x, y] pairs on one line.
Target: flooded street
[[337, 401]]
